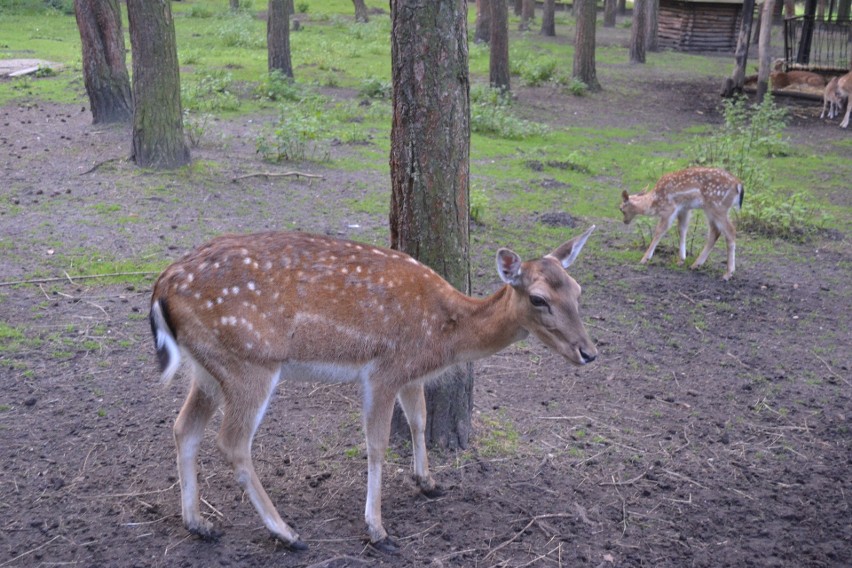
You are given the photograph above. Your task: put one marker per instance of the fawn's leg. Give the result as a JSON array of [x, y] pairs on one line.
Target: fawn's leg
[[663, 226], [712, 237], [413, 402], [682, 227]]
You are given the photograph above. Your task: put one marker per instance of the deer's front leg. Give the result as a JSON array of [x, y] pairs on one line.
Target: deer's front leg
[[413, 402], [378, 409], [663, 226]]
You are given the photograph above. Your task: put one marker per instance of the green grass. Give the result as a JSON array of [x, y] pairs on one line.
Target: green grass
[[224, 73]]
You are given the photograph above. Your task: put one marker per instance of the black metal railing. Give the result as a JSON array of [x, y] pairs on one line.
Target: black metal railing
[[817, 45]]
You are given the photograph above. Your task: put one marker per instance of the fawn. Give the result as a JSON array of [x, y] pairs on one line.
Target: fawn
[[248, 311], [676, 194]]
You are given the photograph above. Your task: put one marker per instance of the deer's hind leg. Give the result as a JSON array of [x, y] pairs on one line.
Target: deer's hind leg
[[682, 228], [200, 404], [246, 396], [713, 233]]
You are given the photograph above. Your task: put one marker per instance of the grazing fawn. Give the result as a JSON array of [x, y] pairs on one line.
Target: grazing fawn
[[676, 194], [248, 311]]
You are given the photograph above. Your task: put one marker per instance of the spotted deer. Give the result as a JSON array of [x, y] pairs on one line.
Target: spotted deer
[[249, 311], [675, 196]]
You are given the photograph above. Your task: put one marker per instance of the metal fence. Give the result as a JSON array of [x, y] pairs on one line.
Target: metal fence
[[817, 45]]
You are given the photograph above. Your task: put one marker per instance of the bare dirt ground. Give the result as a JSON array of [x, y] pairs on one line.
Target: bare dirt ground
[[714, 429]]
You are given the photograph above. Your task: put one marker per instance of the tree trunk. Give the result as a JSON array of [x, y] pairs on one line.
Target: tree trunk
[[548, 18], [622, 8], [519, 7], [763, 49], [585, 13], [278, 37], [527, 14], [843, 8], [637, 32], [157, 119], [483, 22], [104, 60], [609, 13], [735, 83], [499, 52], [430, 175], [789, 8], [361, 11], [651, 25], [820, 10], [234, 4]]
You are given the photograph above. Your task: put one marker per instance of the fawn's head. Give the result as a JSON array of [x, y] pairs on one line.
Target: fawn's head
[[630, 206]]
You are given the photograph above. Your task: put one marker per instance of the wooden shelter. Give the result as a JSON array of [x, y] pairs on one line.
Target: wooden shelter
[[699, 25]]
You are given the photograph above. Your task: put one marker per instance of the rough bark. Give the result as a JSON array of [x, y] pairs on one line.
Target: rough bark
[[585, 13], [609, 13], [498, 70], [430, 175], [527, 14], [735, 83], [157, 122], [652, 8], [104, 60], [548, 18], [483, 22], [361, 11], [637, 32], [278, 37], [763, 49]]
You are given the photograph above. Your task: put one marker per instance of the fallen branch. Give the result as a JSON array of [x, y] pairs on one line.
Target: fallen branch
[[83, 277], [277, 174], [523, 530], [99, 164]]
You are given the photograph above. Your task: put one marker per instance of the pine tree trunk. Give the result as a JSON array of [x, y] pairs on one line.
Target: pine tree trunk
[[609, 13], [763, 49], [548, 18], [483, 21], [637, 32], [430, 176], [621, 10], [735, 83], [498, 69], [361, 11], [278, 37], [157, 122], [585, 12], [651, 25], [104, 60], [527, 14]]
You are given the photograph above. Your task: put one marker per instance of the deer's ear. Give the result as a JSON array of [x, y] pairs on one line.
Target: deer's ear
[[624, 197], [568, 252], [509, 266]]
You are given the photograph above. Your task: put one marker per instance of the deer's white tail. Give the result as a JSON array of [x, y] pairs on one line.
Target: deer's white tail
[[168, 352]]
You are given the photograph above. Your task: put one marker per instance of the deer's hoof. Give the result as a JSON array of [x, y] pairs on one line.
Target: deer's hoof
[[385, 546], [297, 546], [204, 531]]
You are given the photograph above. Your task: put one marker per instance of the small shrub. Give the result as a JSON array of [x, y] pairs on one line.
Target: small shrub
[[200, 12], [195, 126], [238, 30], [479, 204], [295, 136], [302, 7], [490, 115], [209, 93], [374, 88], [279, 87]]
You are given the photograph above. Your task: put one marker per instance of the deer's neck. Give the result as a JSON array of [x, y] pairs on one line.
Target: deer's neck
[[485, 326]]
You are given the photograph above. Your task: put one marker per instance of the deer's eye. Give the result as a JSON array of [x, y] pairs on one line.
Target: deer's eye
[[538, 301]]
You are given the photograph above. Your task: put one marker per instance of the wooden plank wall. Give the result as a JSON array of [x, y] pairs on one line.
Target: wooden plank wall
[[698, 26]]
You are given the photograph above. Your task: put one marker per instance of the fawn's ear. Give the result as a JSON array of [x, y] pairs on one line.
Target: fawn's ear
[[624, 197], [509, 266], [568, 252]]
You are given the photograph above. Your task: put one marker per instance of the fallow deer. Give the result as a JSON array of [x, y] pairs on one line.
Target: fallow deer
[[832, 100], [676, 194], [844, 90], [248, 311]]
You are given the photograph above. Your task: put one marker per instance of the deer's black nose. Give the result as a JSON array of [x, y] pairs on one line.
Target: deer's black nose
[[586, 357]]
